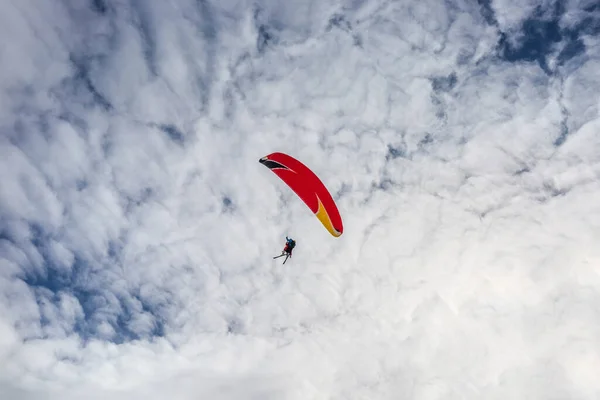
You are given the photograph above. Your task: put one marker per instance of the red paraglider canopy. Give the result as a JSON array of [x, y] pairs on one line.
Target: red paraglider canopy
[[308, 187]]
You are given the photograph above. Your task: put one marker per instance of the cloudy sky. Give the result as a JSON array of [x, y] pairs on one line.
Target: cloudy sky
[[137, 228]]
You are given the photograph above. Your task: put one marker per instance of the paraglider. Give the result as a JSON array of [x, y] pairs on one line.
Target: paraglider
[[287, 250], [310, 189]]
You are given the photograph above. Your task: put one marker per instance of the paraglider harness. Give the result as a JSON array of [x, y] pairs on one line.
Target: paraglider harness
[[287, 250]]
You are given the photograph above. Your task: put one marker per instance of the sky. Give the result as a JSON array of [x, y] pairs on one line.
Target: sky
[[458, 138]]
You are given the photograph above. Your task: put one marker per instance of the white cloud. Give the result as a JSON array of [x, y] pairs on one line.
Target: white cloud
[[137, 226]]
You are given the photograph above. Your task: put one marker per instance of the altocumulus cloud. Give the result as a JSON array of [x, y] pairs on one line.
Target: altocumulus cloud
[[459, 138]]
